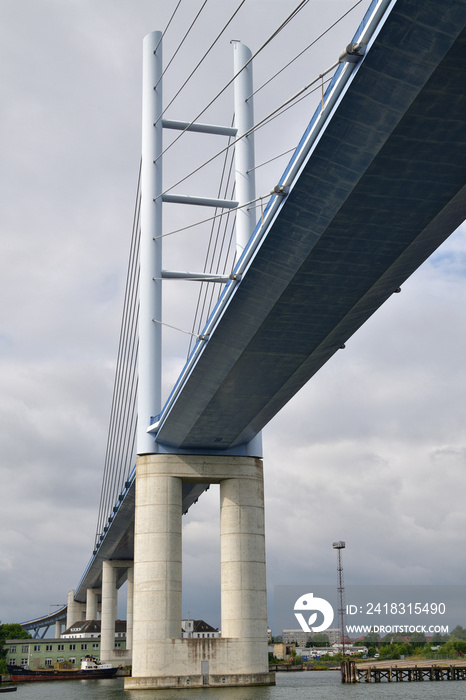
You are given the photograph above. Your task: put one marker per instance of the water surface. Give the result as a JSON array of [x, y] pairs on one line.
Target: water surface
[[317, 685]]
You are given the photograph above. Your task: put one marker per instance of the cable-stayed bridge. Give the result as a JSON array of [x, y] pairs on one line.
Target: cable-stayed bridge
[[375, 185]]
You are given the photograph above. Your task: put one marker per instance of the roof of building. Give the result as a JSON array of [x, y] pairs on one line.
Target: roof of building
[[200, 626], [93, 627]]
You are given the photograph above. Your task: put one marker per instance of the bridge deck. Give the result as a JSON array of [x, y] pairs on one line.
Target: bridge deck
[[382, 190]]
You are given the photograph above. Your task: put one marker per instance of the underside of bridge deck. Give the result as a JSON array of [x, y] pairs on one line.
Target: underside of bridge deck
[[383, 188]]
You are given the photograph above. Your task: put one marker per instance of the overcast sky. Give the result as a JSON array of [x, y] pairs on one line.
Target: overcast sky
[[371, 451]]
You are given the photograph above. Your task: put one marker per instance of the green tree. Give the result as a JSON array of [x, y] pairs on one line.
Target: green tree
[[405, 649], [458, 633], [371, 639], [417, 639], [391, 639], [390, 651], [448, 649], [320, 640], [9, 631], [438, 639]]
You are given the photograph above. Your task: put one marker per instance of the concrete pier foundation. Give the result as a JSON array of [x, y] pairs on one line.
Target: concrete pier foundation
[[161, 658]]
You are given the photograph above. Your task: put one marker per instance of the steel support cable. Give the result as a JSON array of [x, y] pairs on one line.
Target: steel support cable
[[113, 465], [291, 101], [216, 265], [126, 427], [228, 247], [286, 106], [129, 377], [121, 428], [215, 216], [128, 370], [276, 32], [222, 193], [263, 123], [115, 398], [131, 432], [268, 41], [193, 172], [124, 379], [114, 468], [204, 286], [270, 117], [250, 131], [167, 25], [212, 299], [266, 162], [125, 436], [117, 466], [181, 43], [209, 291], [225, 222], [200, 61], [130, 385], [326, 31]]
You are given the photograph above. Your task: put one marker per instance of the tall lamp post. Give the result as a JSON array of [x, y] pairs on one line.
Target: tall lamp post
[[341, 593]]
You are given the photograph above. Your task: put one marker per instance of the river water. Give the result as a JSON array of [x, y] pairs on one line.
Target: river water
[[322, 685]]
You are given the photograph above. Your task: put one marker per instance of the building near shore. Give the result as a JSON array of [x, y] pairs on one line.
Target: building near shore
[[82, 638], [301, 638], [76, 642], [198, 629]]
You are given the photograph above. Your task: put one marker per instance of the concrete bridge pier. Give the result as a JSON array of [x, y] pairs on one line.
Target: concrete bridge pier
[[161, 658], [108, 653], [92, 597], [75, 611], [129, 608], [109, 611]]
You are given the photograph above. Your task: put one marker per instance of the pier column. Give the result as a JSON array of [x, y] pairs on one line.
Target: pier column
[[91, 603], [243, 584], [58, 626], [109, 611], [129, 608], [75, 611], [157, 569]]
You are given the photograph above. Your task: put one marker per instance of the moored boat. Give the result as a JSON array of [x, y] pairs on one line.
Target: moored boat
[[61, 671]]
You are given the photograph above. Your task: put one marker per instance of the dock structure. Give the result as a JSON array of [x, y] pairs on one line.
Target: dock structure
[[350, 673]]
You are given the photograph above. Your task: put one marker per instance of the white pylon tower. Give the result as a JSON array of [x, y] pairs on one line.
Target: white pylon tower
[[152, 199], [341, 593]]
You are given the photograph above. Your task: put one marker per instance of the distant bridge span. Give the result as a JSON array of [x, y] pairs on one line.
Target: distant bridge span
[[45, 622], [375, 186]]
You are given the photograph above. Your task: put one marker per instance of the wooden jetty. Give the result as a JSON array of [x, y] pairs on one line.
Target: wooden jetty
[[350, 673]]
